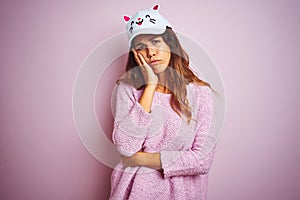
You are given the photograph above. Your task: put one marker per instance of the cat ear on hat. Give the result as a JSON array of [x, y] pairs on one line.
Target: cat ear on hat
[[126, 18], [156, 7]]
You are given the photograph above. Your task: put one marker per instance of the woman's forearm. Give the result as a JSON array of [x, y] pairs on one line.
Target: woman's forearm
[[147, 97], [151, 160]]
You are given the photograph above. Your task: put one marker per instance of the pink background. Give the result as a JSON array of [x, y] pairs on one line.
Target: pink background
[[254, 44]]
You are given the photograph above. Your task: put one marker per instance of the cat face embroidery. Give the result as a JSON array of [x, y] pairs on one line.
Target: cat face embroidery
[[141, 19], [152, 20], [148, 21], [140, 22]]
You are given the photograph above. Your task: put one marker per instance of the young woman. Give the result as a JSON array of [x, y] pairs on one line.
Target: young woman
[[163, 115]]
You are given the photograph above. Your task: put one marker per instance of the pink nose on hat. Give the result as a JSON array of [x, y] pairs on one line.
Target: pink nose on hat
[[139, 18]]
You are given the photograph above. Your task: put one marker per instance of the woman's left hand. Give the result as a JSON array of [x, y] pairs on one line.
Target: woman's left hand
[[151, 160], [132, 161]]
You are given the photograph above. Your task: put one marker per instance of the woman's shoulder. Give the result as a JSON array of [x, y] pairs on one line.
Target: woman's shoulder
[[125, 88], [199, 89]]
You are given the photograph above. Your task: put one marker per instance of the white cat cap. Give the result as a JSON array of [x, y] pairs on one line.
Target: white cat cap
[[145, 22]]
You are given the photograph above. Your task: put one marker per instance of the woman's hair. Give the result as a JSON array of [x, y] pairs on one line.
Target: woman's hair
[[179, 75]]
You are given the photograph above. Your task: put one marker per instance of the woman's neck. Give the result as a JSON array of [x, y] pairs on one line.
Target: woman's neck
[[162, 85], [163, 89]]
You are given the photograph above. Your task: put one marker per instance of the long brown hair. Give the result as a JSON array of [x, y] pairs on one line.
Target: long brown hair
[[179, 75]]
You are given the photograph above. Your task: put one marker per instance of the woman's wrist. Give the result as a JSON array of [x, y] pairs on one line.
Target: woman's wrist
[[151, 86], [151, 160]]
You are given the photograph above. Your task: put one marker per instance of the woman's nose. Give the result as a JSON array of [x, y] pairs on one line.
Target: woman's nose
[[151, 51]]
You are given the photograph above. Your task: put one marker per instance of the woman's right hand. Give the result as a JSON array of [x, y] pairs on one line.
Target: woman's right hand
[[149, 76]]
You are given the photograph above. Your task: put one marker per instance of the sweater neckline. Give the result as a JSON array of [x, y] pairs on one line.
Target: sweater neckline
[[162, 94]]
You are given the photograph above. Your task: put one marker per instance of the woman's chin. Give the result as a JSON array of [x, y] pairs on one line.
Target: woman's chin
[[157, 69]]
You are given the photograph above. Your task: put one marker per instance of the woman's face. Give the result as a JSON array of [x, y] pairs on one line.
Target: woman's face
[[154, 50]]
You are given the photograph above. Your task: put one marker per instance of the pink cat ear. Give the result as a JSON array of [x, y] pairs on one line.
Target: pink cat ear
[[156, 7], [126, 18]]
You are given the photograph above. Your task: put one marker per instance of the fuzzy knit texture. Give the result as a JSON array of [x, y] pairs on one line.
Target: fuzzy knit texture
[[185, 167]]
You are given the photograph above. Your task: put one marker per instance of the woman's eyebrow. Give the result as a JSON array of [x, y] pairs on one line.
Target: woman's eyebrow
[[156, 36], [139, 44], [150, 39]]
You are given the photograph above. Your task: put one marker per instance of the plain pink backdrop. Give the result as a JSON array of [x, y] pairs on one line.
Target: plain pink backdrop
[[254, 44]]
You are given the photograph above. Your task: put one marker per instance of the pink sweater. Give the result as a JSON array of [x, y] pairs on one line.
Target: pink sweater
[[185, 167]]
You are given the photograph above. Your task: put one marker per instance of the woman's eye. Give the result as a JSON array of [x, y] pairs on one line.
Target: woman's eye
[[139, 48], [155, 41]]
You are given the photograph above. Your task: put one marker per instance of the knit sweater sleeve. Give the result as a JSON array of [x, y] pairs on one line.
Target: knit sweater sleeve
[[131, 121], [193, 161]]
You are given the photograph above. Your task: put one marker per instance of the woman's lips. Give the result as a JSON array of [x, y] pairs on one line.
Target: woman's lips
[[153, 62]]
